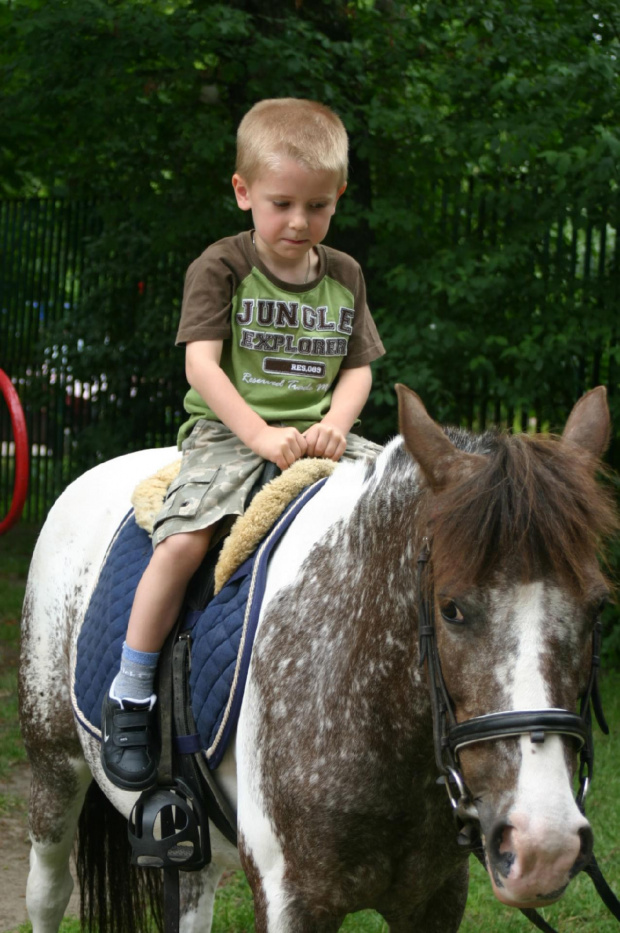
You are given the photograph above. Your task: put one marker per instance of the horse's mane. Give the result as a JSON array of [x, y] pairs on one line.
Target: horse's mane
[[535, 507]]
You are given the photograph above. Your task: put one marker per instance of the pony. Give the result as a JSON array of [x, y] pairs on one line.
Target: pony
[[470, 563]]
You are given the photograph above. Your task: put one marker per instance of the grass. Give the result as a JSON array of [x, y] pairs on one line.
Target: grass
[[68, 925], [580, 911]]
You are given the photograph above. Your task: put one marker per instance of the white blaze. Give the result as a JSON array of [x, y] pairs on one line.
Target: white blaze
[[544, 823], [544, 783]]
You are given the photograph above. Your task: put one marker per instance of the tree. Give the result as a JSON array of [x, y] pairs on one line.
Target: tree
[[483, 196]]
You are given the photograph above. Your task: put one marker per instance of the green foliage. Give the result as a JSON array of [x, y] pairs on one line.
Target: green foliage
[[483, 200], [507, 119], [68, 925]]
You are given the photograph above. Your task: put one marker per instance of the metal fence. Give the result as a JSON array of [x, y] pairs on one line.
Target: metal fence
[[41, 268], [575, 260], [44, 246]]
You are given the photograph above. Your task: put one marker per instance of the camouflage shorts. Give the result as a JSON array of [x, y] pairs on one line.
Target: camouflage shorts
[[217, 475]]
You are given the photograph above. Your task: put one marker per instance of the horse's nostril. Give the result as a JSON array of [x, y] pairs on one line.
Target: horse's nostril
[[585, 853], [500, 851]]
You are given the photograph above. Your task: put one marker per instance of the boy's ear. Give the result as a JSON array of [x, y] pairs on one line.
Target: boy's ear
[[242, 192], [338, 194]]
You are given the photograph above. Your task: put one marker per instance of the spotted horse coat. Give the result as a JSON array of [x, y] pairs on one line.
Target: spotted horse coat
[[332, 771]]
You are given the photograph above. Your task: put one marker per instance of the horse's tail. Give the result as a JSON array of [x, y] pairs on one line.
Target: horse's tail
[[115, 896]]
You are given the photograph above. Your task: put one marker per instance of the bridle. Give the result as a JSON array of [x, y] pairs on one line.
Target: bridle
[[449, 736]]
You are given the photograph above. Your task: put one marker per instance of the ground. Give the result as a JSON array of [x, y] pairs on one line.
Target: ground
[[14, 852]]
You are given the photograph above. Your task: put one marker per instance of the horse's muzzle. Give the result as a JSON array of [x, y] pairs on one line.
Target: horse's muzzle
[[530, 864]]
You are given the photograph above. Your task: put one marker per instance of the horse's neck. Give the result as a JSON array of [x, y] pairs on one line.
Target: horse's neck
[[383, 533], [355, 544], [386, 515], [345, 608], [366, 560]]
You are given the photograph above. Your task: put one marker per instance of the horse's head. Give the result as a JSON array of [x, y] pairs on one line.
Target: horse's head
[[515, 524]]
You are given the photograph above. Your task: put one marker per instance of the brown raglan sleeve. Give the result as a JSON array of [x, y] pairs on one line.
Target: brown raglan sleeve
[[364, 344], [210, 284]]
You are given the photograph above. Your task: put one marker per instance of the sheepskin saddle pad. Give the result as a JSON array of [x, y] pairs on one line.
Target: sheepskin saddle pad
[[222, 634]]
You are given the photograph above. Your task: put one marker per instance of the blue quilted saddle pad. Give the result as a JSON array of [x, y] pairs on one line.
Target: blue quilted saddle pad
[[221, 643], [105, 623]]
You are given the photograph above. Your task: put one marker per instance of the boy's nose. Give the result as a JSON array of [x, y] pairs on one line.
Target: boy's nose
[[298, 221]]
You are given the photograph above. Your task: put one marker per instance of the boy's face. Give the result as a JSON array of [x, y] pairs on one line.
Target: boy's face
[[291, 209]]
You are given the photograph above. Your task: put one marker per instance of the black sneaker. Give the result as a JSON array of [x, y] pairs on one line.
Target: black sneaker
[[129, 742]]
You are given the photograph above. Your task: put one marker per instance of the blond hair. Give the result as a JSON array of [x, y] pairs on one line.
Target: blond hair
[[294, 128]]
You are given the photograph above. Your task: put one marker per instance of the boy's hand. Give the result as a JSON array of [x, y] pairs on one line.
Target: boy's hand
[[325, 440], [283, 446]]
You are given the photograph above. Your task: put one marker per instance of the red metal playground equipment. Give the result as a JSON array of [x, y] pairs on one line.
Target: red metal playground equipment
[[20, 435]]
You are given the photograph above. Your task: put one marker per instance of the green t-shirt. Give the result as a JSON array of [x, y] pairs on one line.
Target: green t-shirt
[[283, 345]]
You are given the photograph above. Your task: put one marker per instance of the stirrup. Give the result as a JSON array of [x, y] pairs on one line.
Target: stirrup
[[168, 829]]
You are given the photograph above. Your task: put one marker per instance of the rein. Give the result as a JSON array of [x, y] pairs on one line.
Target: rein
[[449, 736]]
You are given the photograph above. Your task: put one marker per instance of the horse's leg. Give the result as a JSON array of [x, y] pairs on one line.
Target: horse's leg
[[442, 912], [276, 909], [60, 775], [290, 918], [56, 797], [197, 898]]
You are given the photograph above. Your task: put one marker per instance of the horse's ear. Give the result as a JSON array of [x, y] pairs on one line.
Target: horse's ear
[[440, 461], [588, 424]]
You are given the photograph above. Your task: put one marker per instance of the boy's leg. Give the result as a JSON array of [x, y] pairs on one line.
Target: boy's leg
[[217, 472], [129, 748], [161, 590]]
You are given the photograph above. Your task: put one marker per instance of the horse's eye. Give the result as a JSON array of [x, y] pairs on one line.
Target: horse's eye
[[451, 612]]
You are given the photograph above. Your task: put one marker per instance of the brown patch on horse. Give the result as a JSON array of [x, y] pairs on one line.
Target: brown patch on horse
[[49, 734], [533, 505]]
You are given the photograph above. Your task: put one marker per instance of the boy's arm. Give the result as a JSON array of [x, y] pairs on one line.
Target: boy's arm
[[283, 446], [328, 438]]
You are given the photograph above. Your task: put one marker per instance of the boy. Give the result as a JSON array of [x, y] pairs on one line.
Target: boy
[[279, 342]]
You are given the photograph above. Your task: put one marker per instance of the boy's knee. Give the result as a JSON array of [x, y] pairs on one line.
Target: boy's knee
[[185, 547]]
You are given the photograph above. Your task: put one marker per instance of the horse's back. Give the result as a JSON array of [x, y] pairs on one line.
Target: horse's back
[[81, 523], [66, 562], [98, 499]]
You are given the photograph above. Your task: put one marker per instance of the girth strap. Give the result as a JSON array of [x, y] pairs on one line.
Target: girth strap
[[172, 913]]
